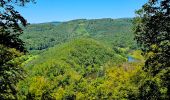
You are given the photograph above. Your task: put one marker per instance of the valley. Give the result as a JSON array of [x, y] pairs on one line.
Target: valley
[[81, 59]]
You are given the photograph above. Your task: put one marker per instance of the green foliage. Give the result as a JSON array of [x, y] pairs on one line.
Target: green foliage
[[10, 72], [136, 54], [113, 32], [10, 21], [85, 55], [152, 29], [80, 69], [85, 59], [118, 83], [82, 65], [11, 47]]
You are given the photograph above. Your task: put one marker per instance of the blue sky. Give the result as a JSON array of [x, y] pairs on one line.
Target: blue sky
[[64, 10]]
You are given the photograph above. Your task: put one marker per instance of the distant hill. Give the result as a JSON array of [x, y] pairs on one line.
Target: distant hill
[[112, 32]]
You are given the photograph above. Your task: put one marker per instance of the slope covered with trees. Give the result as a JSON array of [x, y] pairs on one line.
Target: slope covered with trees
[[113, 32], [80, 69], [82, 59], [85, 59]]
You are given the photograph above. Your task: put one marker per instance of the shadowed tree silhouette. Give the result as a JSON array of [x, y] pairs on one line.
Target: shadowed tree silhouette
[[152, 30], [10, 46]]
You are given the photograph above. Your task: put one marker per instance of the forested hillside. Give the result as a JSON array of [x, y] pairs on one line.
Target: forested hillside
[[81, 59], [113, 32], [79, 69], [85, 59]]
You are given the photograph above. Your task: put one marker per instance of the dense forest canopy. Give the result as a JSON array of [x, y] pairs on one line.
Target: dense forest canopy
[[88, 53], [114, 32], [93, 59], [85, 62]]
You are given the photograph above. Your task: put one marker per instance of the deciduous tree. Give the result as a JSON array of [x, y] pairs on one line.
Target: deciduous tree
[[11, 46], [152, 30]]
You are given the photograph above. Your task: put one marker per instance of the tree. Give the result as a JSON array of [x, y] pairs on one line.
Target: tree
[[11, 47], [152, 32]]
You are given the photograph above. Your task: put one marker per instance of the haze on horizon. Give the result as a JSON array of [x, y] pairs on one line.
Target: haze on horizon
[[65, 10]]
